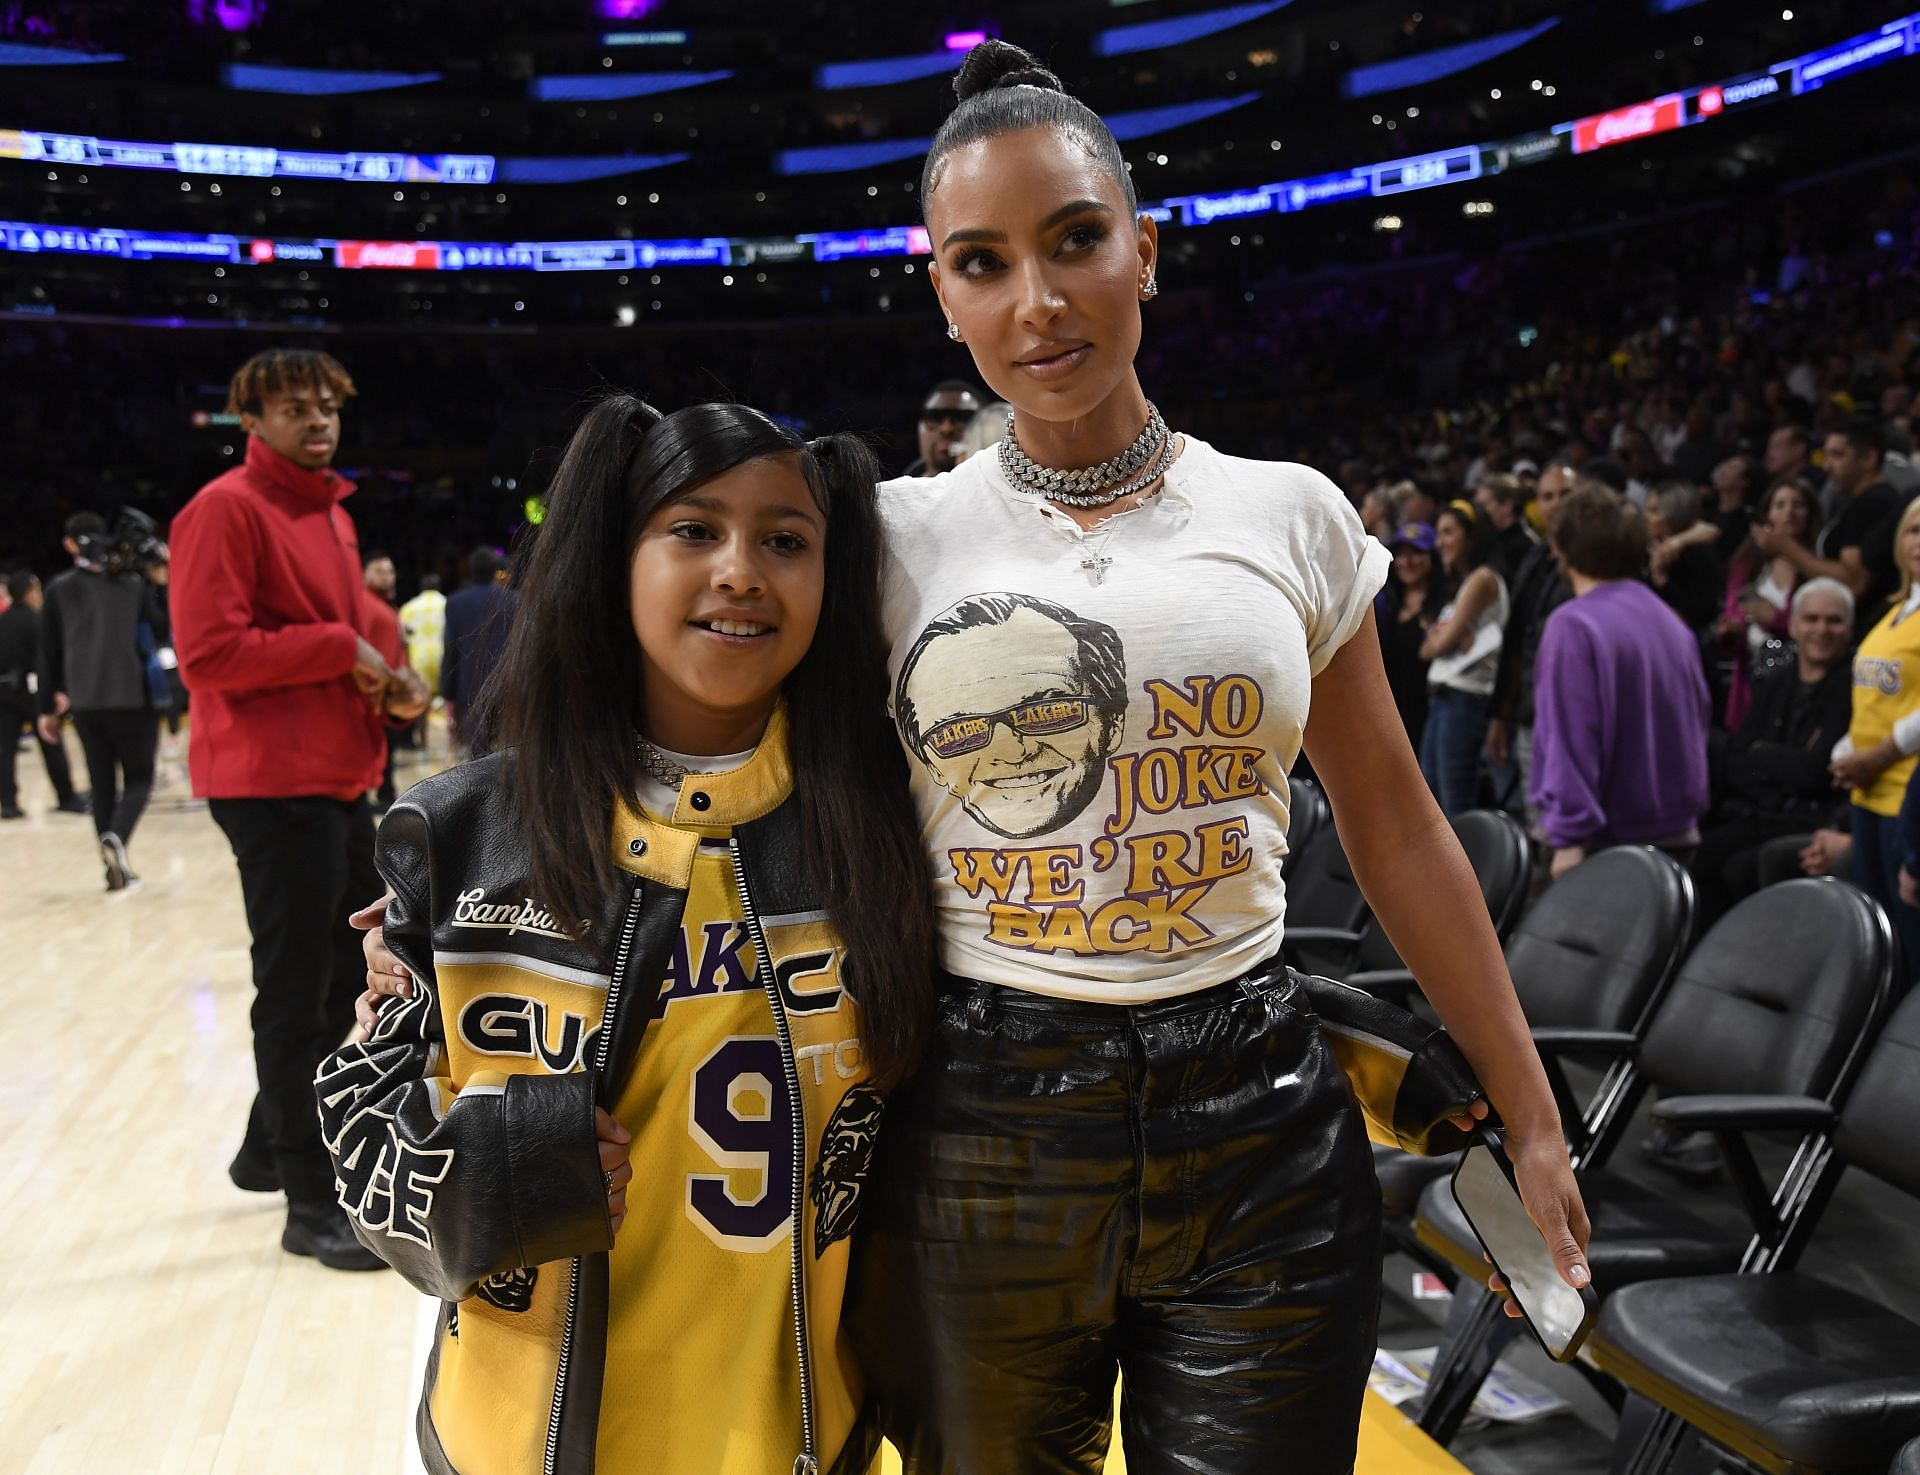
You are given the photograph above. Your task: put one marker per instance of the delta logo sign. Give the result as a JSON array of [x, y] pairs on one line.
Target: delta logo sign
[[1625, 125]]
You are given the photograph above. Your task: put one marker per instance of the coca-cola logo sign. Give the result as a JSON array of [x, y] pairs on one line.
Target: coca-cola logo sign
[[1623, 125], [405, 255]]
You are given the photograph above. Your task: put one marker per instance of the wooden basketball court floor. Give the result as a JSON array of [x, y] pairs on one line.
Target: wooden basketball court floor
[[150, 1321]]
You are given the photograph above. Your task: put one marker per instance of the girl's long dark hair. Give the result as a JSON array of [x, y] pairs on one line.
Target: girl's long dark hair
[[567, 694]]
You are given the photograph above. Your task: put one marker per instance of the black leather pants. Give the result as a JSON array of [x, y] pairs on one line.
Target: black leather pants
[[1180, 1192]]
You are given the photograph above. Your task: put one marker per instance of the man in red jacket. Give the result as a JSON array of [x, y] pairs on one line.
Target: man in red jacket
[[290, 704]]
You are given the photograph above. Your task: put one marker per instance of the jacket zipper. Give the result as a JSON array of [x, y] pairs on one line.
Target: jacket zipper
[[618, 976], [560, 1372], [807, 1462], [353, 607]]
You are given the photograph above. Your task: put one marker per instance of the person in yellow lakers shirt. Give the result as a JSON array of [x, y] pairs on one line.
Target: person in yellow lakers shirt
[[423, 620], [667, 949], [1876, 757]]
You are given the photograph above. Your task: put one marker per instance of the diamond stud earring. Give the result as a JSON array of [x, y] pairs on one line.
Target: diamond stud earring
[[953, 331]]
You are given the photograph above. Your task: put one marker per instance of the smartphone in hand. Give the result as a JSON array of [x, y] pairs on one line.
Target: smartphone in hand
[[1483, 1185]]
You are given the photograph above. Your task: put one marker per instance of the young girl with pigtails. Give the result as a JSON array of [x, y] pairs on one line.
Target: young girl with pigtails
[[665, 949]]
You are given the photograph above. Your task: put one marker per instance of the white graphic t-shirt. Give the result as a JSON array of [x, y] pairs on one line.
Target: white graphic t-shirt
[[1101, 724]]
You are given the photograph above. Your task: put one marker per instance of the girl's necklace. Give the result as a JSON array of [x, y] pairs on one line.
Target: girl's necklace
[[658, 765]]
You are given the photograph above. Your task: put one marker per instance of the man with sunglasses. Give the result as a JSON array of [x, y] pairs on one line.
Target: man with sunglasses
[[944, 417], [1015, 704]]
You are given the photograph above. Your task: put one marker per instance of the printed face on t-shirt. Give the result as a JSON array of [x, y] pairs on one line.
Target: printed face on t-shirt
[[1005, 706]]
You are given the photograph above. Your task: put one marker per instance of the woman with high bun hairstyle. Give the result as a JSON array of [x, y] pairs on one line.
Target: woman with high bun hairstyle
[[1129, 1147]]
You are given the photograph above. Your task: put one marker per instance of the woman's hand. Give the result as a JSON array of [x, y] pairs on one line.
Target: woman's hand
[[1769, 539], [1858, 770], [1818, 856], [366, 1013], [1474, 1114], [386, 974], [1565, 858], [616, 1165], [1547, 1188], [1436, 640], [1759, 611], [408, 697], [1499, 742]]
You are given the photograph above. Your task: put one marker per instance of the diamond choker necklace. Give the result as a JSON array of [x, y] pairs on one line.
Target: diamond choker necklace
[[658, 765], [1138, 466]]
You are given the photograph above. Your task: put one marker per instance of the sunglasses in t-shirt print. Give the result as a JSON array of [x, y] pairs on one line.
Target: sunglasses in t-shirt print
[[1044, 717]]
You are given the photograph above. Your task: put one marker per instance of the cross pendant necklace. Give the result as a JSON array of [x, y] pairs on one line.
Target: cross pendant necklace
[[1096, 562], [1094, 559]]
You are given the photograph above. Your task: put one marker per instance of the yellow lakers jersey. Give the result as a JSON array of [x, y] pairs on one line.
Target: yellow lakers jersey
[[701, 1269], [1886, 686]]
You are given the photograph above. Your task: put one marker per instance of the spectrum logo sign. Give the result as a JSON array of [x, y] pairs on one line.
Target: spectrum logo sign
[[1624, 125], [1204, 209], [392, 255]]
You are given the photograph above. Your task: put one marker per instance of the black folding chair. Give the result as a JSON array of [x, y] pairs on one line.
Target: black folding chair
[[1496, 848], [1777, 1001], [1792, 1373], [1325, 910], [1589, 963], [1308, 813]]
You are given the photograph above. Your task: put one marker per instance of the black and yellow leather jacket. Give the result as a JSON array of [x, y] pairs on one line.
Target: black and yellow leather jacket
[[709, 1018]]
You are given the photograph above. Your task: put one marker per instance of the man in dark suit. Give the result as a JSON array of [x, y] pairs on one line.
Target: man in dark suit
[[477, 621], [93, 664], [19, 658]]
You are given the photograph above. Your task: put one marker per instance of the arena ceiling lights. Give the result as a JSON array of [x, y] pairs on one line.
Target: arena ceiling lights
[[1810, 72], [617, 86], [1157, 35], [243, 161], [840, 158], [16, 54], [1431, 66], [318, 81]]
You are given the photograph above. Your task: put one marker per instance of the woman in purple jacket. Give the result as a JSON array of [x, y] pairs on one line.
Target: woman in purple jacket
[[1620, 705]]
